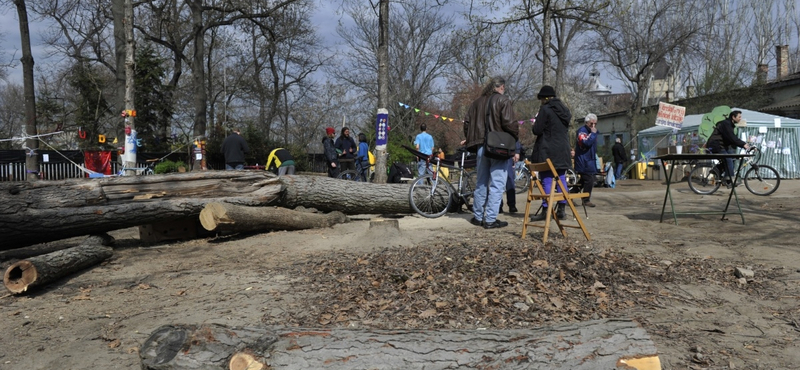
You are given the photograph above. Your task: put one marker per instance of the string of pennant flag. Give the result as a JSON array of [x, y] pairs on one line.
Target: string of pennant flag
[[437, 116]]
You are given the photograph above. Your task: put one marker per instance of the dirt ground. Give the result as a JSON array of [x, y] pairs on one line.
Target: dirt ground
[[679, 282]]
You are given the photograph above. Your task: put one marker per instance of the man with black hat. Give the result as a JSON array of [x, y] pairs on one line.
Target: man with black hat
[[492, 173], [551, 127]]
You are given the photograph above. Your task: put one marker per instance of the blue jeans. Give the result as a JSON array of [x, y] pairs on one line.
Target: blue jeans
[[492, 176], [547, 181], [422, 167], [730, 171], [618, 172], [239, 166]]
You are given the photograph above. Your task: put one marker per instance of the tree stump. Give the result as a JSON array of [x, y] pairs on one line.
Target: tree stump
[[233, 218], [40, 270], [600, 344]]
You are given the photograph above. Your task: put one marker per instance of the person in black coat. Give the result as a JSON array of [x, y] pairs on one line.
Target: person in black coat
[[618, 150], [551, 127], [234, 147], [723, 140]]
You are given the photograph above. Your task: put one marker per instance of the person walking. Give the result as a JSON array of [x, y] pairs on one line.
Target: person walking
[[424, 143], [330, 154], [234, 147], [618, 150], [586, 156], [551, 127], [346, 147], [492, 173], [283, 160], [723, 140]]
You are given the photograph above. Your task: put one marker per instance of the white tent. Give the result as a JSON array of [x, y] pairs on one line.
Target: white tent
[[780, 145]]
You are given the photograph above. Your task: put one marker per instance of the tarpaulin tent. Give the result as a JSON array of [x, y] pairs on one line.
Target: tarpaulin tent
[[780, 145]]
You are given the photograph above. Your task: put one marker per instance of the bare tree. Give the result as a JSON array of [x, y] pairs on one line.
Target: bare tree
[[638, 35], [31, 143], [420, 51]]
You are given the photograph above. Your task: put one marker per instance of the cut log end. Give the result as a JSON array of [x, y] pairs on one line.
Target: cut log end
[[244, 361], [214, 215], [19, 276], [640, 363]]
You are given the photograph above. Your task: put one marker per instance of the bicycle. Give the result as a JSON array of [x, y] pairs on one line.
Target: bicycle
[[148, 169], [706, 177], [522, 177], [432, 195], [355, 175]]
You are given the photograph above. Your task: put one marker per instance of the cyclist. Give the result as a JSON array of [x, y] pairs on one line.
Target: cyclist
[[724, 141]]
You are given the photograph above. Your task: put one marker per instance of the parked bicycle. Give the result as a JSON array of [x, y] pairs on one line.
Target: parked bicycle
[[148, 169], [356, 175], [706, 177], [433, 194], [523, 177]]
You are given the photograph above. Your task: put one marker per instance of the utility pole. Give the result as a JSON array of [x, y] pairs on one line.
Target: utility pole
[[382, 121]]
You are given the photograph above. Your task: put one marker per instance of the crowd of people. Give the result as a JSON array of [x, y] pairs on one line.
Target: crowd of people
[[493, 112]]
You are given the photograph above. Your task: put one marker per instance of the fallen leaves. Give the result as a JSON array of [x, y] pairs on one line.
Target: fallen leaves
[[485, 280]]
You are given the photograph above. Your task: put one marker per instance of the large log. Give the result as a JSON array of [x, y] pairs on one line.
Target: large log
[[40, 270], [232, 218], [32, 213], [601, 344]]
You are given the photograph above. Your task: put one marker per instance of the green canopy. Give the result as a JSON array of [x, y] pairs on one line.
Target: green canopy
[[709, 121]]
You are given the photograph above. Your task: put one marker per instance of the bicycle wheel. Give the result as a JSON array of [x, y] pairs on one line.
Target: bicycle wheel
[[430, 198], [522, 179], [349, 175], [467, 189], [704, 179], [762, 180]]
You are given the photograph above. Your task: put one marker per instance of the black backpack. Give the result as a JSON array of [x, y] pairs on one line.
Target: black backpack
[[397, 172]]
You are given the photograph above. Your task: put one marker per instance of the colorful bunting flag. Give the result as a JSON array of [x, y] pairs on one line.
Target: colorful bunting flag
[[417, 110]]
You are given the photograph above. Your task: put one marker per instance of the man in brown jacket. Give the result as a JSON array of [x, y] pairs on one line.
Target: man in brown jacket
[[492, 173]]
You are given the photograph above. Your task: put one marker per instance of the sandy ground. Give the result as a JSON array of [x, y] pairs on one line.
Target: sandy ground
[[98, 318]]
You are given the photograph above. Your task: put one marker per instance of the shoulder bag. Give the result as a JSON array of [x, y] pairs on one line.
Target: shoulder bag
[[497, 144]]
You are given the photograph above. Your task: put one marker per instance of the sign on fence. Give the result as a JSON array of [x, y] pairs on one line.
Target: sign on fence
[[670, 115]]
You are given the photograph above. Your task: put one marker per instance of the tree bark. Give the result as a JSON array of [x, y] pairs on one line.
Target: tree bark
[[31, 143], [32, 213], [232, 218], [601, 344], [43, 269]]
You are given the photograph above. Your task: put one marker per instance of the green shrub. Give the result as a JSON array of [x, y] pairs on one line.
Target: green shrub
[[169, 166]]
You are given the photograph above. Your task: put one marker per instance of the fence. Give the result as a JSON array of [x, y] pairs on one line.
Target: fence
[[12, 164], [50, 171]]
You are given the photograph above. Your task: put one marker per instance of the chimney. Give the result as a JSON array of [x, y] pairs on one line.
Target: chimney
[[761, 73], [782, 64]]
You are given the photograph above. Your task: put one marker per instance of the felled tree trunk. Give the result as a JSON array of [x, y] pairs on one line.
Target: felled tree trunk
[[233, 218], [601, 344], [32, 213], [349, 197], [40, 270]]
